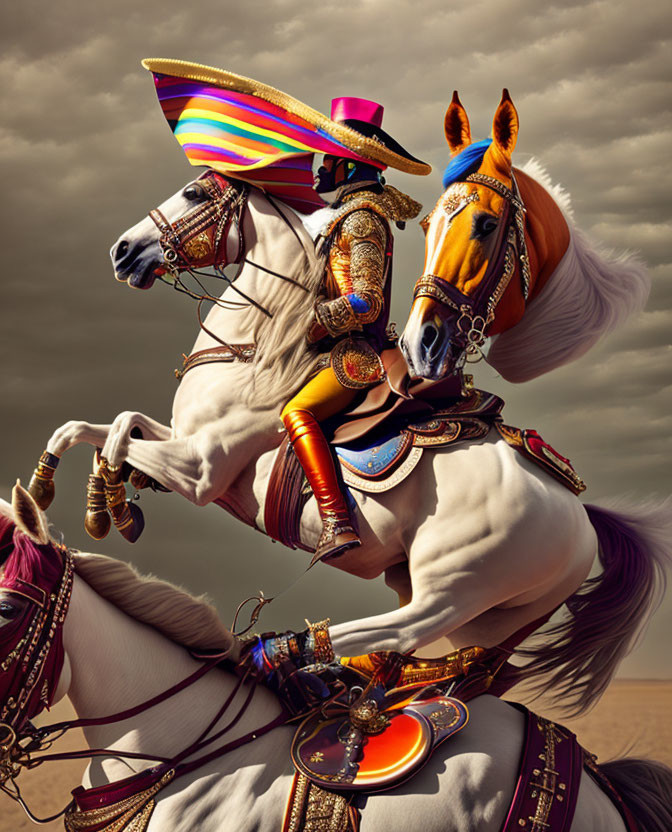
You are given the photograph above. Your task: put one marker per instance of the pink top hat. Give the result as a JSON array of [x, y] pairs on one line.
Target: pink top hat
[[358, 109], [366, 118]]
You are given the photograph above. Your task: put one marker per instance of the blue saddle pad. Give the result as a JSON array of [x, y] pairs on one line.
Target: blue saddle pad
[[375, 459]]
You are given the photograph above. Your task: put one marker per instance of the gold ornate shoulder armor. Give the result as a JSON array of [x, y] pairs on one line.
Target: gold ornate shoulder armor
[[363, 225], [391, 205]]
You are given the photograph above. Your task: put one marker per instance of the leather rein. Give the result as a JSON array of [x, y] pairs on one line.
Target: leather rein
[[20, 739], [202, 234], [476, 312]]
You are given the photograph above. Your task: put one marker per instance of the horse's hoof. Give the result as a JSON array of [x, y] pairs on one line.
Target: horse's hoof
[[133, 523], [138, 479], [41, 490], [97, 521], [97, 524], [41, 486]]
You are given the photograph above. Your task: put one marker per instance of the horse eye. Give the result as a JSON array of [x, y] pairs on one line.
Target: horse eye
[[483, 225], [193, 193], [8, 611]]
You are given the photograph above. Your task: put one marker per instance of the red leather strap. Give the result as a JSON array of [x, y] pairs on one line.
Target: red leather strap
[[548, 778], [119, 789], [60, 727]]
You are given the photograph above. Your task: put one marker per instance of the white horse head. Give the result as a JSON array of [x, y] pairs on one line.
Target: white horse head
[[213, 223], [138, 257]]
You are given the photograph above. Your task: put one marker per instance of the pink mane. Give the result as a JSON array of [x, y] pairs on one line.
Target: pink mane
[[26, 560]]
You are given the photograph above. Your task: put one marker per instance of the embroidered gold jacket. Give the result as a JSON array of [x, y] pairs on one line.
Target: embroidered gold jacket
[[359, 244]]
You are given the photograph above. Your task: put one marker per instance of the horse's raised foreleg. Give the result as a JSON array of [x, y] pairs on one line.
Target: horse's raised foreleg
[[426, 618], [442, 589], [76, 432], [197, 467], [115, 449]]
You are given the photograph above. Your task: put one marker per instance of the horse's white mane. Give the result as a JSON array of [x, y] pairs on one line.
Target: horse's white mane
[[592, 292], [173, 611], [283, 360]]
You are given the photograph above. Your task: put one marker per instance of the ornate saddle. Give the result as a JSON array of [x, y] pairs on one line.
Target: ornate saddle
[[381, 740], [378, 740], [380, 441]]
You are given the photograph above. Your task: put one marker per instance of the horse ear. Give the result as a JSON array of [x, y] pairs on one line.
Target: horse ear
[[456, 126], [505, 128], [28, 517]]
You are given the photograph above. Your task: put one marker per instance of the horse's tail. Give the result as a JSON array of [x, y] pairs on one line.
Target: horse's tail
[[645, 787], [577, 657]]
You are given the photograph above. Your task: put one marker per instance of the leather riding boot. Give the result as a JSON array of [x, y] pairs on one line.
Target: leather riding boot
[[314, 454]]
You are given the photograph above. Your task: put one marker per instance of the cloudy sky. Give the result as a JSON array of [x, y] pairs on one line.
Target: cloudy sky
[[85, 152]]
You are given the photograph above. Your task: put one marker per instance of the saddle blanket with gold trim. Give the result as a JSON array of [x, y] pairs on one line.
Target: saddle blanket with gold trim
[[379, 465]]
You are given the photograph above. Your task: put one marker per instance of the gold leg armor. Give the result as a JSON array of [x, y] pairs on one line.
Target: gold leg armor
[[97, 519]]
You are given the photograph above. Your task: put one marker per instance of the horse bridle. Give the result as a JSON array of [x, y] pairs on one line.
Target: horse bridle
[[37, 652], [38, 648], [204, 232], [476, 312]]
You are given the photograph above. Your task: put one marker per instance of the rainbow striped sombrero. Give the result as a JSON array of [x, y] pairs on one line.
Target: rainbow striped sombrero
[[254, 132]]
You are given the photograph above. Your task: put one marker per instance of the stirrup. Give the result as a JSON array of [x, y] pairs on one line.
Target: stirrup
[[337, 537]]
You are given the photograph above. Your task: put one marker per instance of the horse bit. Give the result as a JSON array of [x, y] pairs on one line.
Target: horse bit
[[473, 320]]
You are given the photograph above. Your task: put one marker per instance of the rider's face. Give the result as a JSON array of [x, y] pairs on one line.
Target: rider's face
[[330, 175]]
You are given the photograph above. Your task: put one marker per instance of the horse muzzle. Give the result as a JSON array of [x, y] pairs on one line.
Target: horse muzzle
[[135, 264], [429, 349]]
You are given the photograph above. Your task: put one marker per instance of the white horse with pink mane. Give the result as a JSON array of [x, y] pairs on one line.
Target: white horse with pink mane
[[126, 642], [478, 541]]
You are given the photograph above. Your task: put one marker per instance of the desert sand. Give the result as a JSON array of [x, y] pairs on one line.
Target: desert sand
[[634, 718]]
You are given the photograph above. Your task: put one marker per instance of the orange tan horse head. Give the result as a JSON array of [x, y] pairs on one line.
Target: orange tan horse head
[[493, 240]]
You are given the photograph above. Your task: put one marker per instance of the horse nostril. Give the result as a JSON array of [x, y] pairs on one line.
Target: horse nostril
[[430, 335], [122, 250]]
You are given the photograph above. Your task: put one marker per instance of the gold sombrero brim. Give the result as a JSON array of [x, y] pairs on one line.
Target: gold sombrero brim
[[362, 145]]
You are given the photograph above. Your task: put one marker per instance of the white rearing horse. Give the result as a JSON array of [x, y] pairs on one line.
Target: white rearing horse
[[478, 541], [124, 640]]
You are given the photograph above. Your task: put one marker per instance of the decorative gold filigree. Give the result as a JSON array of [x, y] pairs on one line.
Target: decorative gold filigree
[[132, 814], [444, 717], [198, 247], [356, 364], [313, 809], [457, 197], [323, 652], [337, 316], [366, 717]]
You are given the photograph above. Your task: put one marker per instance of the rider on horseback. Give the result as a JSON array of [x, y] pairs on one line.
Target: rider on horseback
[[356, 242]]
